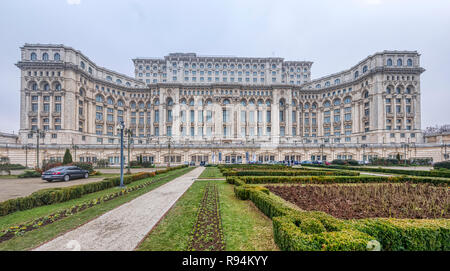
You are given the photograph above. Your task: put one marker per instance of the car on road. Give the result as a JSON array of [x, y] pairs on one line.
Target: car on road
[[65, 173], [192, 164], [202, 163]]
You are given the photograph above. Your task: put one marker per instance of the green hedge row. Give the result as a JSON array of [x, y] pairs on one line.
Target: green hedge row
[[340, 179], [56, 195], [290, 173], [423, 173], [299, 230]]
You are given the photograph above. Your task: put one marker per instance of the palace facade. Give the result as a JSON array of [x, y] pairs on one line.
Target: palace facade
[[221, 109]]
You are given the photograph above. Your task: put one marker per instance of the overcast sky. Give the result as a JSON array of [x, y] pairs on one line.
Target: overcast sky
[[334, 34]]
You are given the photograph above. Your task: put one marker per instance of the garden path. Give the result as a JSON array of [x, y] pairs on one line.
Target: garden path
[[125, 226]]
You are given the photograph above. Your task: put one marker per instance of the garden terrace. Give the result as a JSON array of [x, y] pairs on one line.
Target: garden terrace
[[369, 200]]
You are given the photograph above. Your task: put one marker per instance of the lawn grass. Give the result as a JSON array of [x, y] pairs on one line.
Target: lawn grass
[[211, 173], [34, 238], [244, 226]]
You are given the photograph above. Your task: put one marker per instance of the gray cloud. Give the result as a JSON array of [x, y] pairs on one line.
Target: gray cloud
[[333, 34]]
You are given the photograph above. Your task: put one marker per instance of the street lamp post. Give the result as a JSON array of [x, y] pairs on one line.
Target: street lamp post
[[120, 127], [168, 146], [129, 133], [39, 134]]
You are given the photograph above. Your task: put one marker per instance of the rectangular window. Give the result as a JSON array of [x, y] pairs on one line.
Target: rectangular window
[[200, 116], [156, 115], [268, 116], [192, 115]]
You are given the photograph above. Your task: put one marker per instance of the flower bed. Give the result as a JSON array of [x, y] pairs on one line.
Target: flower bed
[[424, 173], [337, 179], [207, 234], [296, 229], [369, 200]]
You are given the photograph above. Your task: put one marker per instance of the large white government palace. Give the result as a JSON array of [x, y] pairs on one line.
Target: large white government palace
[[220, 109]]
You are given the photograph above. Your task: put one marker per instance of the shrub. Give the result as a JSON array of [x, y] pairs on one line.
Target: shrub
[[291, 173], [30, 174], [443, 164], [67, 159], [340, 179], [102, 163], [339, 162], [85, 165]]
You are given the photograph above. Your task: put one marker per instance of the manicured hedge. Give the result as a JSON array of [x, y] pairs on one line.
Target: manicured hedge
[[290, 173], [424, 173], [443, 165], [340, 179], [56, 195], [299, 230]]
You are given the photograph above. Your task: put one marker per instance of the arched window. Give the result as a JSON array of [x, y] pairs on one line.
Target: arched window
[[260, 102], [57, 57], [128, 84], [318, 86], [294, 103], [337, 81], [209, 102], [314, 106], [169, 101], [307, 106], [268, 103], [133, 105], [99, 98], [82, 65], [108, 78], [364, 69], [398, 90], [120, 103], [90, 70], [156, 101], [118, 81], [366, 94], [251, 102], [183, 101], [34, 86], [243, 103], [191, 102], [356, 74], [281, 102], [347, 100], [46, 87], [226, 101], [327, 83], [33, 56], [408, 90], [388, 90], [141, 105], [326, 104], [337, 102], [57, 86], [110, 101], [389, 62], [399, 62], [409, 62], [45, 56]]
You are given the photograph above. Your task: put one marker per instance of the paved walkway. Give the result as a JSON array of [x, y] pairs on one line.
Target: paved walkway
[[124, 227]]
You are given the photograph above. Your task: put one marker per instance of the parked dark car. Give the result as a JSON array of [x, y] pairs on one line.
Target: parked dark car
[[65, 173], [202, 163], [192, 164]]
